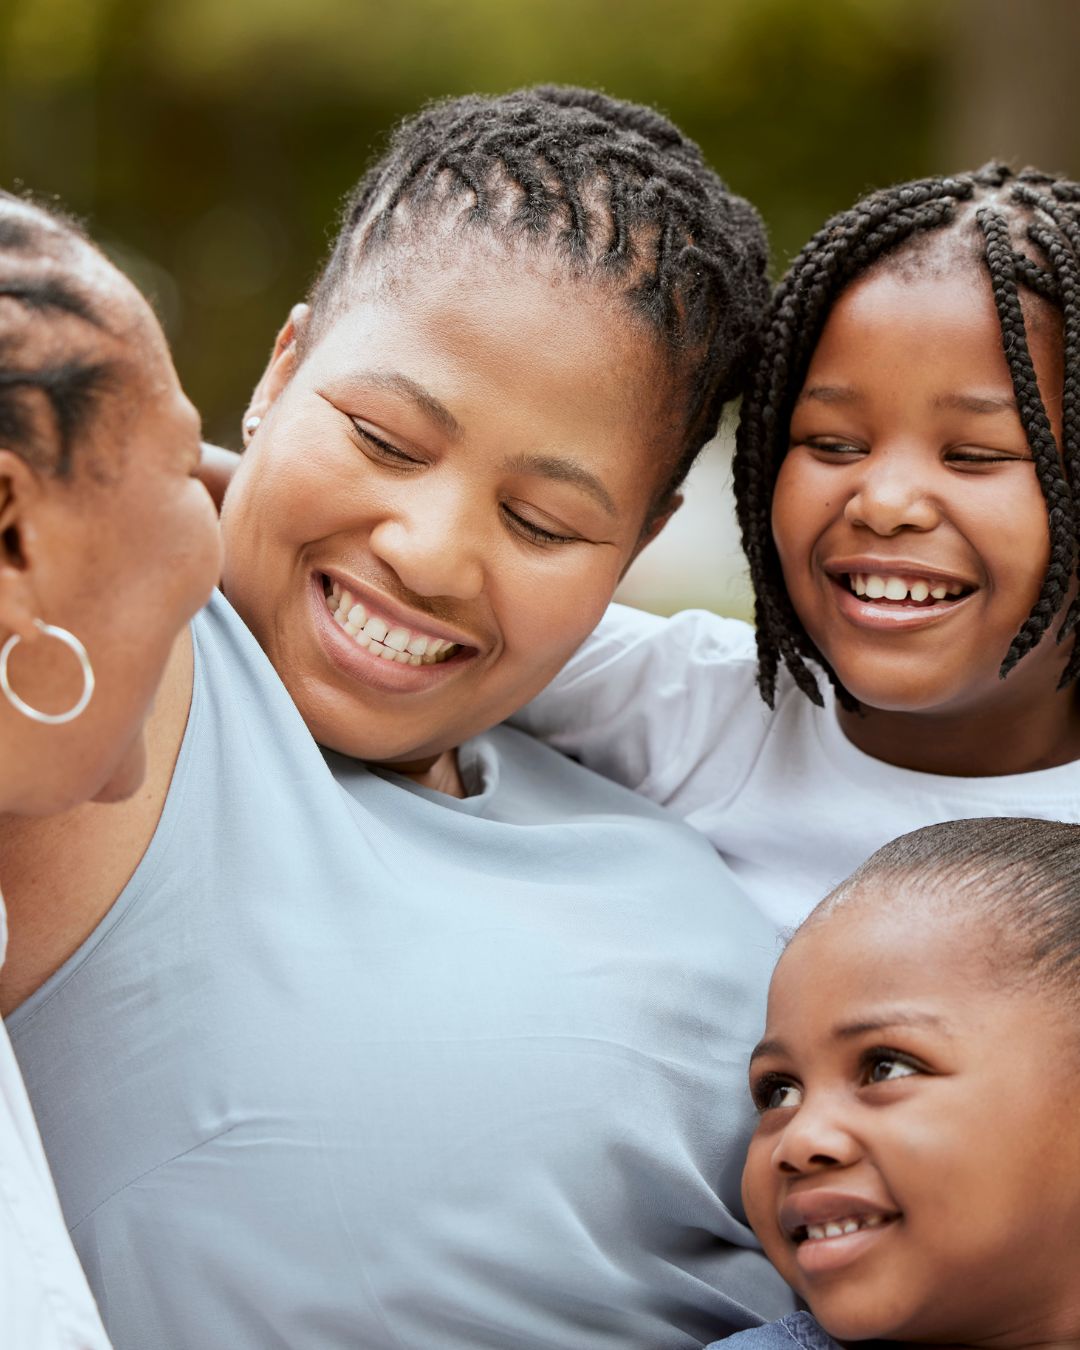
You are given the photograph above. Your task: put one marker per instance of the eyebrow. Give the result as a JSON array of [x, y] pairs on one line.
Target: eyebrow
[[564, 471], [849, 1031], [830, 393], [976, 403], [396, 383]]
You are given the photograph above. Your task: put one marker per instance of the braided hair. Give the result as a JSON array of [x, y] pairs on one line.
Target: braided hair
[[1027, 236], [39, 293], [616, 191]]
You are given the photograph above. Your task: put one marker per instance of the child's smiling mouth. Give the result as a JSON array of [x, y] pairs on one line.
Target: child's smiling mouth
[[897, 596]]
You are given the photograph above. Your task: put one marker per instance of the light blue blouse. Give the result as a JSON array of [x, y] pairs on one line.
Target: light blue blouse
[[351, 1063]]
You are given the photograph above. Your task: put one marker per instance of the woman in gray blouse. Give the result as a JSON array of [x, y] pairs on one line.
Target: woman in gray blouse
[[391, 1029]]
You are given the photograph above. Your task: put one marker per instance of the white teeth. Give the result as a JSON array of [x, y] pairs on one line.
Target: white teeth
[[375, 628], [875, 586], [399, 645], [397, 638], [842, 1227]]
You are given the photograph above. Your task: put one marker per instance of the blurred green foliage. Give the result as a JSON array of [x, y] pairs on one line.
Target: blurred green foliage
[[210, 141]]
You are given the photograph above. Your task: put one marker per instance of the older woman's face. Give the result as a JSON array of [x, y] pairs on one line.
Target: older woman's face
[[442, 497], [122, 554]]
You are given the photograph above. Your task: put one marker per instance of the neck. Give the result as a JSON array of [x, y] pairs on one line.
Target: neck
[[441, 773], [1013, 736], [60, 874]]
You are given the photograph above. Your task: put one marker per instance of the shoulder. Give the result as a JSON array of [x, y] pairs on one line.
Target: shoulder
[[798, 1329]]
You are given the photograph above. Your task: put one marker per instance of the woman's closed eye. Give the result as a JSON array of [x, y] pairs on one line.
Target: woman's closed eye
[[530, 529], [382, 450]]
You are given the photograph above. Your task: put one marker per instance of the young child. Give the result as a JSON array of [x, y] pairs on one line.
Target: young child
[[913, 1173], [903, 484]]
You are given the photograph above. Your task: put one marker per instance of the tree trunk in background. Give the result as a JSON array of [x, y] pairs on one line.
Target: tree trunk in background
[[1011, 89]]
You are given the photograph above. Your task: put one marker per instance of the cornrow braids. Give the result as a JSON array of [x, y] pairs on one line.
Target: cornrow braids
[[613, 188], [38, 292], [1013, 215]]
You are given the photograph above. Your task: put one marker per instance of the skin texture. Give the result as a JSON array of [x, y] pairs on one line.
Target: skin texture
[[908, 456], [122, 554], [925, 1089], [431, 517]]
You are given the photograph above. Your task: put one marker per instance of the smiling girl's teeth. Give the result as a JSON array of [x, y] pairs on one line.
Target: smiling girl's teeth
[[876, 586], [842, 1227], [389, 644]]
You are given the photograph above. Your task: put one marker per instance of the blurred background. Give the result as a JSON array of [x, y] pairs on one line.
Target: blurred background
[[209, 142]]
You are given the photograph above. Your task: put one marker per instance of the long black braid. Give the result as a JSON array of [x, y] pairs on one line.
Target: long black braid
[[1013, 213], [39, 292], [614, 189]]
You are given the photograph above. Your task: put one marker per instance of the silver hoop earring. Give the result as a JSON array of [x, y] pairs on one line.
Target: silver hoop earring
[[69, 640], [252, 423]]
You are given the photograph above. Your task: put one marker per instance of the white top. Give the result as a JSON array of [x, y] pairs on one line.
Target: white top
[[45, 1303], [670, 707]]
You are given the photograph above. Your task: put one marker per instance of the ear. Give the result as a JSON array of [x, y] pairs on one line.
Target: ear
[[20, 490], [282, 365], [653, 527]]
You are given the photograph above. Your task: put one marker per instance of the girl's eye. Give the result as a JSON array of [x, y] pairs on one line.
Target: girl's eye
[[969, 454], [832, 447], [383, 449], [882, 1066], [771, 1093], [536, 533]]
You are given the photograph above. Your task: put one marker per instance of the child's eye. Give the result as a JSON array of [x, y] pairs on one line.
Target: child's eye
[[831, 447], [536, 533], [383, 449], [973, 454], [772, 1092], [884, 1065]]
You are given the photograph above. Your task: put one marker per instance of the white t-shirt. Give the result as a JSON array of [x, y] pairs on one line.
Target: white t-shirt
[[45, 1303], [670, 707]]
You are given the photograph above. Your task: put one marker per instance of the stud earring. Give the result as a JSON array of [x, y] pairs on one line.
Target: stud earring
[[69, 640], [252, 423]]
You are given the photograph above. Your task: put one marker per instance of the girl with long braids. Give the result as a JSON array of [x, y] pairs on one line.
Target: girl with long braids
[[392, 1030], [906, 478]]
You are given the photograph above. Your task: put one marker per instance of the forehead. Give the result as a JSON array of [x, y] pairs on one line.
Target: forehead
[[932, 318], [510, 334], [896, 946]]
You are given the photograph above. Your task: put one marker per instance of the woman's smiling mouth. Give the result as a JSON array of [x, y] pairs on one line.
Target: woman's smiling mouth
[[382, 637], [378, 648]]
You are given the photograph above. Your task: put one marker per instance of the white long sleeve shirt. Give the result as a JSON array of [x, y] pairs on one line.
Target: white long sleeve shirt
[[670, 707], [45, 1303]]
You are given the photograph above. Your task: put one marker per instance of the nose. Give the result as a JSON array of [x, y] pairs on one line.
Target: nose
[[891, 495], [433, 543], [814, 1139]]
